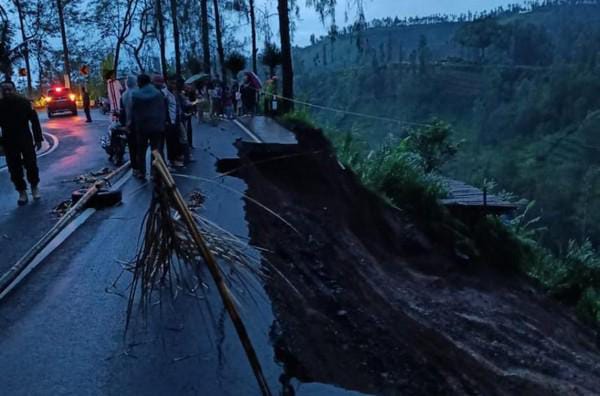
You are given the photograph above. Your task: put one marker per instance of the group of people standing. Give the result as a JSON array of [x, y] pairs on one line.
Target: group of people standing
[[154, 112], [157, 114], [229, 101]]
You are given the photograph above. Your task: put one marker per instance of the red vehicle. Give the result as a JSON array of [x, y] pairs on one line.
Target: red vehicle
[[60, 99]]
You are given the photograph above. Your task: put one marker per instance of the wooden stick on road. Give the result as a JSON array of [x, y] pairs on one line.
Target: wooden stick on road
[[9, 277], [224, 292]]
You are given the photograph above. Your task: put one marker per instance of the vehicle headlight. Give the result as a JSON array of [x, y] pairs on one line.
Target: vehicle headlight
[[72, 97]]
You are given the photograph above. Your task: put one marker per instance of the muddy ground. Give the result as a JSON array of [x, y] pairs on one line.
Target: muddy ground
[[382, 309]]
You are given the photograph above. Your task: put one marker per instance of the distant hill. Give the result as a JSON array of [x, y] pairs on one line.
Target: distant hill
[[387, 45], [381, 45], [520, 86]]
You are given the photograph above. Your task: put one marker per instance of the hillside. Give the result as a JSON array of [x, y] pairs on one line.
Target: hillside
[[365, 300], [519, 87]]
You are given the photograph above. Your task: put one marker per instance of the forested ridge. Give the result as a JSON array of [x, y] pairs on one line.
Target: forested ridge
[[519, 86]]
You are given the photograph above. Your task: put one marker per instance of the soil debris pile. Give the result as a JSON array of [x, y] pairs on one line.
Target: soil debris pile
[[90, 178], [59, 210], [382, 309]]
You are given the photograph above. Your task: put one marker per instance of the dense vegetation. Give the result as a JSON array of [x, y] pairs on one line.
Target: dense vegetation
[[407, 174], [519, 88], [521, 91]]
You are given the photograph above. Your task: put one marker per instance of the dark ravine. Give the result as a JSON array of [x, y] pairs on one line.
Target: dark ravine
[[383, 309]]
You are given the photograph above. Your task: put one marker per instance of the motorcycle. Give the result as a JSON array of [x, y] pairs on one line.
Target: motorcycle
[[115, 142], [105, 106]]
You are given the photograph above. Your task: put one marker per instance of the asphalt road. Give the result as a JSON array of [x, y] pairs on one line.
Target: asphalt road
[[62, 330]]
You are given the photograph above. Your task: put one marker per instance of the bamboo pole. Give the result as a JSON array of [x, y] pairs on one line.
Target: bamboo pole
[[8, 277], [224, 292]]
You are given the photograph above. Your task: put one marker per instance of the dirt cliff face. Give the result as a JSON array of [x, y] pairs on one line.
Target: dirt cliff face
[[377, 307]]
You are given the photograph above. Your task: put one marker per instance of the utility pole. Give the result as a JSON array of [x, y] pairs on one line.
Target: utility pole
[[26, 46], [63, 33]]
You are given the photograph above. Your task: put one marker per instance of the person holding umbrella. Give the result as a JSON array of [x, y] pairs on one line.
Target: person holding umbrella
[[253, 80]]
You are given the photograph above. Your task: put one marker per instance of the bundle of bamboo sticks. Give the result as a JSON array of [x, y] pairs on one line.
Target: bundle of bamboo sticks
[[176, 242]]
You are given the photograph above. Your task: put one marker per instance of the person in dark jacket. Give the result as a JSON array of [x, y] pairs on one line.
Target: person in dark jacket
[[248, 98], [148, 117], [16, 115], [86, 104], [125, 120]]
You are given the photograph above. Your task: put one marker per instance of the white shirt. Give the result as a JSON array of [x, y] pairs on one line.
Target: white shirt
[[114, 89]]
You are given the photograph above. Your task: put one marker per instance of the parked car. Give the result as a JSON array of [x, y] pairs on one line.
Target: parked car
[[61, 99]]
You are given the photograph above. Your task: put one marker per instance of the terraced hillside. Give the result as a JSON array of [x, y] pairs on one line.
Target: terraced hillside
[[525, 101]]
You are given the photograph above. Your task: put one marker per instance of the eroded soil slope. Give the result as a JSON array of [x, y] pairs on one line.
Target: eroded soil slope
[[382, 309]]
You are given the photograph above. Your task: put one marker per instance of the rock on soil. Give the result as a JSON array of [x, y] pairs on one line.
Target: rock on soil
[[382, 309]]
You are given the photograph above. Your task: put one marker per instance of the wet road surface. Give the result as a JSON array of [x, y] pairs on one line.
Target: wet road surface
[[62, 330], [78, 152]]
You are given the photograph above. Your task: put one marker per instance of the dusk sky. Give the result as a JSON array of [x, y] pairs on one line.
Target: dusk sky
[[310, 22]]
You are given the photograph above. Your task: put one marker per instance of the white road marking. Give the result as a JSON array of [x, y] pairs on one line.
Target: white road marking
[[247, 131], [50, 247], [62, 236], [54, 146]]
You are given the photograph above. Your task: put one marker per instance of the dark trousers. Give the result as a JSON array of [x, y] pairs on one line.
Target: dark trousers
[[19, 156], [188, 127], [133, 150], [250, 107], [88, 116], [173, 145], [155, 141]]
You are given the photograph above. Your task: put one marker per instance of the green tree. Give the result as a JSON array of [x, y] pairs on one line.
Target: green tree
[[63, 34], [480, 34], [287, 68], [114, 20], [23, 9], [250, 10], [271, 57], [162, 40], [235, 63], [433, 144], [424, 54], [176, 35], [5, 40], [219, 37], [205, 37]]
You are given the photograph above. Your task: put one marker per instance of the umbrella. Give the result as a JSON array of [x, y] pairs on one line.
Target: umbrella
[[254, 80], [197, 77]]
